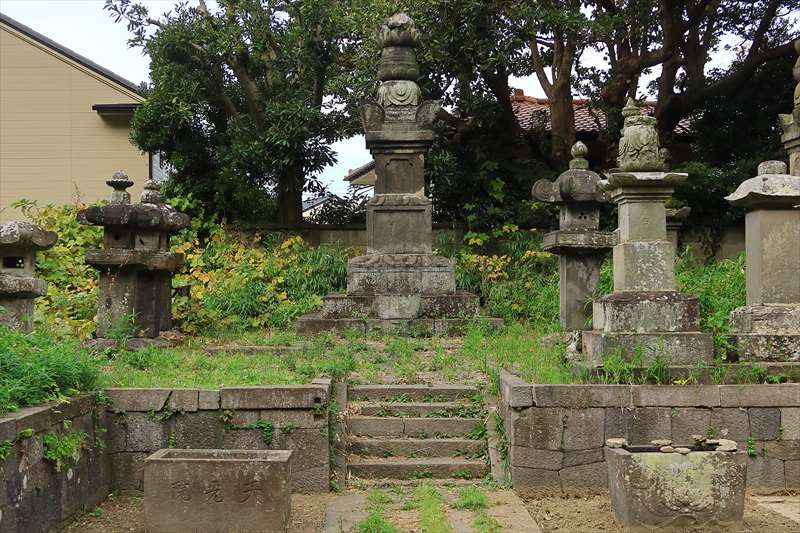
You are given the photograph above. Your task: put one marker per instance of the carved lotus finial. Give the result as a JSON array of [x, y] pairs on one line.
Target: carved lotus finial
[[639, 147], [398, 69], [120, 182], [398, 30]]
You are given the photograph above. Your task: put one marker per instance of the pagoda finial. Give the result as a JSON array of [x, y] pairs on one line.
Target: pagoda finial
[[398, 69], [151, 194], [578, 161], [120, 182], [639, 147]]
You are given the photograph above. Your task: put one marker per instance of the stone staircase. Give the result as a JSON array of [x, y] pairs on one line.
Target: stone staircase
[[415, 432]]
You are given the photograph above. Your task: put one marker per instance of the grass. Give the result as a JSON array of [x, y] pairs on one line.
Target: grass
[[471, 498], [35, 369], [430, 505], [376, 521]]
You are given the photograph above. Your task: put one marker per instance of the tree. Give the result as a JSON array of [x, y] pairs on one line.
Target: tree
[[244, 101]]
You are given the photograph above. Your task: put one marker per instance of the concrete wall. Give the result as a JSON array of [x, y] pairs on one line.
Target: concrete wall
[[53, 147], [556, 433], [141, 421], [36, 494]]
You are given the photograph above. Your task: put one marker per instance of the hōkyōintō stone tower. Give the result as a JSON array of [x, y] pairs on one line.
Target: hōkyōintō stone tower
[[399, 283], [578, 242], [768, 327], [135, 263], [645, 313], [19, 242]]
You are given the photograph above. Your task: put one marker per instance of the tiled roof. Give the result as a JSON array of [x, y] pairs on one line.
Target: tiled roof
[[355, 173], [534, 113]]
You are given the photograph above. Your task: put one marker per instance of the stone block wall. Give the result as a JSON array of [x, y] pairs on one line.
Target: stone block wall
[[556, 433], [283, 417], [36, 493]]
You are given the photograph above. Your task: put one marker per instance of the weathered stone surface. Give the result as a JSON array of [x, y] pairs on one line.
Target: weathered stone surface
[[533, 458], [183, 400], [137, 400], [583, 429], [790, 423], [515, 391], [144, 433], [688, 422], [775, 319], [785, 450], [540, 427], [730, 423], [764, 347], [683, 396], [585, 476], [583, 457], [765, 474], [214, 490], [443, 392], [534, 480], [765, 423], [643, 312], [615, 426], [645, 424], [650, 490], [784, 395], [274, 397], [36, 418], [208, 400], [582, 395], [127, 471], [792, 474], [203, 429], [647, 266]]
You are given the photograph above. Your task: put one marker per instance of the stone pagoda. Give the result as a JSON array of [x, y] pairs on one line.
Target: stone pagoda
[[578, 242], [645, 313], [135, 263], [400, 283], [19, 242], [791, 122], [768, 327]]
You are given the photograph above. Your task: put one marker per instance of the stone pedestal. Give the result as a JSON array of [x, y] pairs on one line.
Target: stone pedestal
[[135, 264], [645, 315], [768, 327], [19, 242], [580, 245], [399, 284]]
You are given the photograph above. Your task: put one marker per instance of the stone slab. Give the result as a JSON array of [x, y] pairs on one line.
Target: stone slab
[[675, 396], [582, 395], [784, 395], [765, 347], [766, 319], [274, 397], [137, 399], [217, 490], [679, 348], [314, 323], [646, 312], [514, 391]]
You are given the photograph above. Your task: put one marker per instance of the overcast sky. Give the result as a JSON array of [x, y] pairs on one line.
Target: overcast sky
[[83, 26]]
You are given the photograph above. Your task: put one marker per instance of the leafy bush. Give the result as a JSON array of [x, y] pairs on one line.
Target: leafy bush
[[35, 368], [70, 304]]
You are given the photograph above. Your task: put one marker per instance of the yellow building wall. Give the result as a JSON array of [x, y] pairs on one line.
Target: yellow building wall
[[53, 147]]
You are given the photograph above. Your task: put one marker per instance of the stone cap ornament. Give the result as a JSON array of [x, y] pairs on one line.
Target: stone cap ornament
[[639, 147], [772, 188], [151, 214], [399, 106], [26, 235], [578, 184]]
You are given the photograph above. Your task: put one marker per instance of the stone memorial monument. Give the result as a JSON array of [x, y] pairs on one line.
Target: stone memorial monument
[[135, 263], [768, 327], [791, 122], [400, 283], [19, 242], [578, 242], [645, 312]]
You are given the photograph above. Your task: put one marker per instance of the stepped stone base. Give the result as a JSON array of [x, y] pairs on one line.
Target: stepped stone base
[[458, 304], [679, 348], [315, 323], [767, 332], [400, 273], [641, 311]]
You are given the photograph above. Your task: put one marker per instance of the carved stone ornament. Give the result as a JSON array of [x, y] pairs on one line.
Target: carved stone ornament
[[772, 188], [400, 260], [639, 148], [398, 69], [120, 182]]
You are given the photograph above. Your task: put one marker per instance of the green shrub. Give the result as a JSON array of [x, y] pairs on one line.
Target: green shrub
[[36, 368]]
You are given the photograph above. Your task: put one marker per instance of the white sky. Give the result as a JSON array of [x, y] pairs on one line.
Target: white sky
[[83, 26]]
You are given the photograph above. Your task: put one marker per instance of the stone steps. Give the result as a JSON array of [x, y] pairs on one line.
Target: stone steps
[[427, 427], [409, 393], [399, 447], [417, 468], [412, 409]]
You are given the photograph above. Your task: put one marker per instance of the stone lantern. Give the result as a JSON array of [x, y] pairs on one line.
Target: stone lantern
[[135, 263], [399, 283], [19, 242], [645, 313], [580, 245], [768, 327]]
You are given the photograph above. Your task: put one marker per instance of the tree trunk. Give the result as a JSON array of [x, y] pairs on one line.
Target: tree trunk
[[290, 197], [562, 124]]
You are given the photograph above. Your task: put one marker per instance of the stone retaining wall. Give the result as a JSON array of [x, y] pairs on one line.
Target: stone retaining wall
[[36, 494], [556, 433], [281, 417]]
